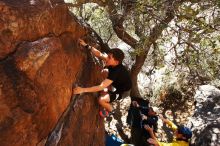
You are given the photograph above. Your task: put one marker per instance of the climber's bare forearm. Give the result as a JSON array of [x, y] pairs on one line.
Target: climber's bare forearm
[[96, 52], [99, 54], [102, 86]]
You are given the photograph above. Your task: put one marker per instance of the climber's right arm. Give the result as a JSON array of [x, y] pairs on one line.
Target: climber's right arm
[[99, 54], [96, 52]]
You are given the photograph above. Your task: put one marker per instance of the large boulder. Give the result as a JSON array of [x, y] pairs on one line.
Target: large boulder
[[40, 62], [205, 122]]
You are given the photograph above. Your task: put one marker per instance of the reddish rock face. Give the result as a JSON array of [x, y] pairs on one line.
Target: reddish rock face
[[40, 60], [29, 20]]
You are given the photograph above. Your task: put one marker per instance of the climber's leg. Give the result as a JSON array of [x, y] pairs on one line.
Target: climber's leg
[[104, 100]]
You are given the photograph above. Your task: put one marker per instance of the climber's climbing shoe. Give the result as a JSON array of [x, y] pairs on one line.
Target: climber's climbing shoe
[[103, 113]]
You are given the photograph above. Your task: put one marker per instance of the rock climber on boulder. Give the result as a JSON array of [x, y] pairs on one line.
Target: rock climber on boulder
[[118, 82]]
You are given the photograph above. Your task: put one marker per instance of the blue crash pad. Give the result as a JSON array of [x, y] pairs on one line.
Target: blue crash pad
[[112, 140]]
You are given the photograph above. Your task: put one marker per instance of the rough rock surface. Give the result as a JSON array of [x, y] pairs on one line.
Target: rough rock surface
[[40, 60], [205, 122]]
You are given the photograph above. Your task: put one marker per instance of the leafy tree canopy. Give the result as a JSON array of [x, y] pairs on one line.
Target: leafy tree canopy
[[181, 35]]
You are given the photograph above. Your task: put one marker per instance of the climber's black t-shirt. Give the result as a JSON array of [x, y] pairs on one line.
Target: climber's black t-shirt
[[120, 77]]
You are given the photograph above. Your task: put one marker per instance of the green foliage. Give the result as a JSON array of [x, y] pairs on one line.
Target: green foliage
[[97, 17]]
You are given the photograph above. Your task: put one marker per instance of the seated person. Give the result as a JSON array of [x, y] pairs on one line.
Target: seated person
[[182, 135]]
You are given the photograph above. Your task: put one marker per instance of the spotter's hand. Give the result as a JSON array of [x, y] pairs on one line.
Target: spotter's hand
[[143, 117], [135, 103], [153, 141], [148, 128], [161, 116]]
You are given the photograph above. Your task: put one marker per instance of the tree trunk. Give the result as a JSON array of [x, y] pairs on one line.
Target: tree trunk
[[134, 74]]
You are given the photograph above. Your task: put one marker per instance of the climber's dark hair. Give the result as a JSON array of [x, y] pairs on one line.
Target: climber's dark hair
[[117, 53]]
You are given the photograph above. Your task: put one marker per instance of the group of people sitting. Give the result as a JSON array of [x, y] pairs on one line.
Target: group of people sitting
[[143, 120]]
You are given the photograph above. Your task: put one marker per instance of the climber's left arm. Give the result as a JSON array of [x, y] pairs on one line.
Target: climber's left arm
[[104, 84]]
